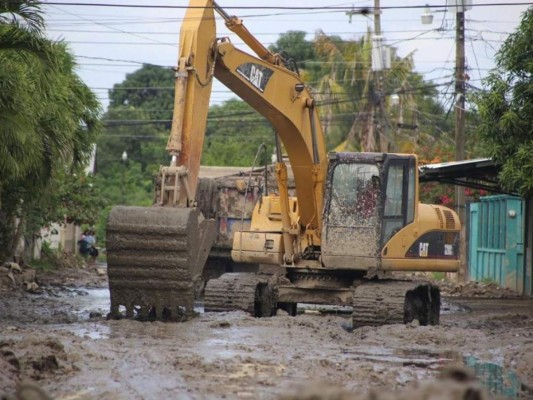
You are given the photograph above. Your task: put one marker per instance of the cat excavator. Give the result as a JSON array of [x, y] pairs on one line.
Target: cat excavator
[[355, 218]]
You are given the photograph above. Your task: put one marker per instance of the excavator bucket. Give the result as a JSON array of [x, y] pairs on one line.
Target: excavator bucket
[[155, 257]]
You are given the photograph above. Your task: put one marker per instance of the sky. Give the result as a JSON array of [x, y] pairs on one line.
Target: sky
[[110, 42]]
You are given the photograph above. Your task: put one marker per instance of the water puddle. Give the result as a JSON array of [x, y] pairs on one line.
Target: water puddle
[[93, 301], [406, 357], [451, 307], [93, 331]]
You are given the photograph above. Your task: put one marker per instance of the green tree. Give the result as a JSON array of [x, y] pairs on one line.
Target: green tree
[[234, 133], [137, 122], [292, 45], [49, 120], [26, 15], [506, 109], [151, 88]]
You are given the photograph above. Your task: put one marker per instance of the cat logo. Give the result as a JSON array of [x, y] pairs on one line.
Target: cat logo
[[256, 74], [423, 249], [256, 77]]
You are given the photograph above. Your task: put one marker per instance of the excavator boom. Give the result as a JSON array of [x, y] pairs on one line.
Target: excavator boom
[[193, 81]]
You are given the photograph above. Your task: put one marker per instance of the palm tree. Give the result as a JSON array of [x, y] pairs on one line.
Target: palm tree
[[25, 15], [49, 119], [347, 91]]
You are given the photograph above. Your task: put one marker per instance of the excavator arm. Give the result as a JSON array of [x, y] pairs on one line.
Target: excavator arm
[[263, 82], [272, 89], [282, 98]]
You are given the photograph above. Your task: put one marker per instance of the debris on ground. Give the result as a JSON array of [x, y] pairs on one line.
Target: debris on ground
[[13, 276], [475, 289]]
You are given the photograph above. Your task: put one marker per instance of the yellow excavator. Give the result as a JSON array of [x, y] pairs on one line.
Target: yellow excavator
[[355, 217]]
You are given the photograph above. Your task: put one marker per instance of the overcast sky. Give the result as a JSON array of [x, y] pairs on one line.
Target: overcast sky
[[110, 42]]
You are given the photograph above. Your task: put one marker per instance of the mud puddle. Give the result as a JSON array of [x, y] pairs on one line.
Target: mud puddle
[[83, 302], [406, 357]]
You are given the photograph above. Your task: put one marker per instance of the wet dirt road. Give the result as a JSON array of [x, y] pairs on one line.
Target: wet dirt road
[[52, 339]]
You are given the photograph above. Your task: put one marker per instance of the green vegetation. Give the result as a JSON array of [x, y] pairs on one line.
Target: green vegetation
[[49, 120], [506, 109]]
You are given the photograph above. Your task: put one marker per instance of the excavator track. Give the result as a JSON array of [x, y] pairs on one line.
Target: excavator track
[[384, 302], [253, 293], [155, 255]]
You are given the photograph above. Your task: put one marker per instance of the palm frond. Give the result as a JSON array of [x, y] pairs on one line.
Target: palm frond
[[25, 15]]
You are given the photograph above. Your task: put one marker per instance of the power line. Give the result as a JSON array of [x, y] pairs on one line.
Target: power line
[[303, 8]]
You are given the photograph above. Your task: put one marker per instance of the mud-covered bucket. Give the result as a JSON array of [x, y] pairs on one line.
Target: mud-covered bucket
[[155, 255]]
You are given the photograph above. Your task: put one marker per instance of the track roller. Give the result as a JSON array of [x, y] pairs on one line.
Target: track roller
[[384, 302], [253, 293]]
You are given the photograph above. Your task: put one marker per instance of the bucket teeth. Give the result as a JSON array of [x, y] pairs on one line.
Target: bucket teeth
[[155, 257]]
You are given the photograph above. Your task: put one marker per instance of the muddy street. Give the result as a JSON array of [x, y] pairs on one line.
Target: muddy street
[[60, 340]]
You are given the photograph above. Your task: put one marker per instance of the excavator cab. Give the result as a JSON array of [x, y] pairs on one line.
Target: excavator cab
[[369, 198]]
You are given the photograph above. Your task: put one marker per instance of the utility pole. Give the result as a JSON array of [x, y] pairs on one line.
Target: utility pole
[[460, 126], [377, 17], [375, 139], [381, 144], [460, 102]]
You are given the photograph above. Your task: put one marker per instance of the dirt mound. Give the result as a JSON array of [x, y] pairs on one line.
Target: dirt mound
[[475, 289], [454, 383], [31, 359], [522, 362], [91, 276], [13, 276]]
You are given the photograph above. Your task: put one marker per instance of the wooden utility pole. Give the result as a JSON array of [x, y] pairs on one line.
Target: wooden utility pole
[[460, 103], [377, 17], [374, 137], [377, 115], [460, 126]]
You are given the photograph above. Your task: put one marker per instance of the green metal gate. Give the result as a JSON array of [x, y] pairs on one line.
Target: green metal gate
[[496, 242]]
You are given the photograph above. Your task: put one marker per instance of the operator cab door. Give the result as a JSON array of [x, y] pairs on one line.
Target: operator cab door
[[400, 195], [351, 235]]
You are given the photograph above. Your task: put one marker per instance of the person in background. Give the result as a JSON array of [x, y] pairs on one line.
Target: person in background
[[91, 242], [83, 244]]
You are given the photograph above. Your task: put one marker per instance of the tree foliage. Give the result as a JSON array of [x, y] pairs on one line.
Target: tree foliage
[[138, 122], [49, 120], [149, 88], [234, 133], [292, 45], [506, 109]]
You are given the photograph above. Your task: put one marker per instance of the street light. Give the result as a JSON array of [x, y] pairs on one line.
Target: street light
[[122, 192], [427, 17]]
